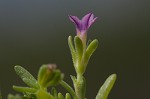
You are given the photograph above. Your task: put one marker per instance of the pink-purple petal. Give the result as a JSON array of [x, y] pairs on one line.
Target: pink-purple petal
[[83, 25], [85, 21], [92, 21], [75, 20]]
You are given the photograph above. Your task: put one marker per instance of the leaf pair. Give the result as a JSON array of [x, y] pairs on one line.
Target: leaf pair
[[81, 54]]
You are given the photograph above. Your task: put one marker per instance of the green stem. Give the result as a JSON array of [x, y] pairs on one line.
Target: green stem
[[79, 77], [80, 86], [68, 88]]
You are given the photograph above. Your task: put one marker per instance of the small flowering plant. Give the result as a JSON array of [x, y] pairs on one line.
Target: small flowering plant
[[49, 76]]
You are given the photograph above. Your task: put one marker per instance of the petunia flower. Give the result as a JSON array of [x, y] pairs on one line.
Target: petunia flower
[[84, 24]]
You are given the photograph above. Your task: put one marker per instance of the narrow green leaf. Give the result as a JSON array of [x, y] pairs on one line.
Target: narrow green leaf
[[10, 96], [72, 50], [60, 96], [24, 89], [68, 88], [67, 96], [78, 47], [90, 50], [30, 83], [73, 78], [26, 76], [54, 92], [106, 87]]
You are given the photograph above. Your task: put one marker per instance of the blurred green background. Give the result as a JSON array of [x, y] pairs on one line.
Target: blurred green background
[[33, 33]]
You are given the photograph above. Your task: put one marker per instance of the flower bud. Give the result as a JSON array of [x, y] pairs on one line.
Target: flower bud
[[49, 76]]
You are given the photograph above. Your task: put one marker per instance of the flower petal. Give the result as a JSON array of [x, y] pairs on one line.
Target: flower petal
[[91, 20], [85, 21], [75, 20]]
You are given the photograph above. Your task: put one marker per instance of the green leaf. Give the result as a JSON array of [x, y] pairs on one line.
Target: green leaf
[[67, 96], [10, 96], [60, 96], [24, 89], [90, 50], [106, 87], [68, 88], [30, 83], [54, 92], [72, 50], [79, 48], [73, 78], [26, 77]]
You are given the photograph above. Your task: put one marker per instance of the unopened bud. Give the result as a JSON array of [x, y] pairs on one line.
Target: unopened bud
[[49, 75]]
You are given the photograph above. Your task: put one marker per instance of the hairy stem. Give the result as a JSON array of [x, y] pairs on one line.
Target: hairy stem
[[80, 87]]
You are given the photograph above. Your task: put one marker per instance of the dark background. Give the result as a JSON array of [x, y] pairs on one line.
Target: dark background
[[35, 32]]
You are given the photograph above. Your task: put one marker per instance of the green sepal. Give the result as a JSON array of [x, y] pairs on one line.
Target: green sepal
[[41, 94], [24, 89], [72, 50], [60, 96], [26, 77], [45, 75], [56, 79], [67, 96], [41, 73], [79, 48], [49, 76], [90, 50], [106, 87]]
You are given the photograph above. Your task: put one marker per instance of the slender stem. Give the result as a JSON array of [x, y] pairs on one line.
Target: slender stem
[[79, 78], [68, 88], [80, 87]]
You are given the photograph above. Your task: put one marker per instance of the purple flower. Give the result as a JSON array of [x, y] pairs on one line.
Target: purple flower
[[83, 25]]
